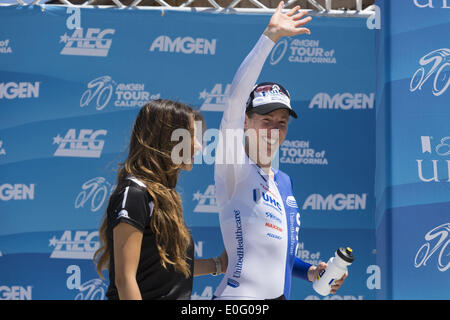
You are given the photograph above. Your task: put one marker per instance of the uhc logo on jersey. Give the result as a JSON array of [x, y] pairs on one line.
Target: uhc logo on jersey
[[85, 145], [267, 199], [271, 201]]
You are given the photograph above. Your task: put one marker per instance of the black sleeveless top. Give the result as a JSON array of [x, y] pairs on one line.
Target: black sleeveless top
[[131, 203]]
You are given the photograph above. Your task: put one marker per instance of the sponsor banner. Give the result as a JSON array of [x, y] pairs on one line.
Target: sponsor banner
[[413, 149]]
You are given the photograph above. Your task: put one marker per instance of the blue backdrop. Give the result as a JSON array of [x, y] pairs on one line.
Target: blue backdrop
[[413, 150], [68, 99]]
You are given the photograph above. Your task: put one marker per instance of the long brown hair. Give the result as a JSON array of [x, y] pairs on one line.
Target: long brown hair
[[149, 160]]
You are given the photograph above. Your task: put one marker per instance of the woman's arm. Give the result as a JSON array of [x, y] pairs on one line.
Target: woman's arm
[[208, 266], [127, 249], [204, 267]]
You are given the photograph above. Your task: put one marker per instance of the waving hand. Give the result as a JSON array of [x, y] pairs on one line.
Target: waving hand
[[287, 24]]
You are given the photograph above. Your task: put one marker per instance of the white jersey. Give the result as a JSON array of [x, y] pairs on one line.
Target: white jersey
[[259, 217]]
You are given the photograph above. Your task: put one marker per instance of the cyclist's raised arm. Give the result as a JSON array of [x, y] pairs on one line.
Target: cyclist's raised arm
[[280, 24], [226, 173]]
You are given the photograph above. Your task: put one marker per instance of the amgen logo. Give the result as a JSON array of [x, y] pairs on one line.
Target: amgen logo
[[186, 45], [16, 191], [343, 101], [19, 90], [337, 202], [15, 293]]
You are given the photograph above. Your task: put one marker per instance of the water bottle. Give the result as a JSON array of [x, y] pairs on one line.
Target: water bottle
[[337, 266]]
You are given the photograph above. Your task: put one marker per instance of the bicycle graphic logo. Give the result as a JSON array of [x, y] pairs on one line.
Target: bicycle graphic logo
[[438, 63], [96, 190], [101, 88], [278, 51], [443, 149], [94, 289], [425, 252]]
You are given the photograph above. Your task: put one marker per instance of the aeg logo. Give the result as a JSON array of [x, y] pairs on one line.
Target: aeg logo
[[215, 99], [85, 145], [207, 200], [81, 246], [91, 43]]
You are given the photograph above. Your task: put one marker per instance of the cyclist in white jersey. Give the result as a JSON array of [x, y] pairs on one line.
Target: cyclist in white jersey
[[259, 217]]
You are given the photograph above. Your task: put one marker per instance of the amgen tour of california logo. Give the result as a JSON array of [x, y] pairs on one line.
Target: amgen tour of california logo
[[302, 51], [301, 152], [101, 90], [5, 46]]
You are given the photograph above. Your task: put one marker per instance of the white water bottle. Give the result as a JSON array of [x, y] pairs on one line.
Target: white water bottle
[[337, 266]]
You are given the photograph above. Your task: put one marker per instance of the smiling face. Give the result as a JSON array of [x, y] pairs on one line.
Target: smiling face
[[264, 134]]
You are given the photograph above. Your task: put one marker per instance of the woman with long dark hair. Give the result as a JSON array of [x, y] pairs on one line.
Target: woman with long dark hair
[[145, 242]]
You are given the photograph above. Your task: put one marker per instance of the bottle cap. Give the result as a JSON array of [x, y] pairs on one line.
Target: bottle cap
[[346, 254]]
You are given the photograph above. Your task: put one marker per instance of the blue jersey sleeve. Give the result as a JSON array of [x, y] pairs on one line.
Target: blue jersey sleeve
[[300, 269]]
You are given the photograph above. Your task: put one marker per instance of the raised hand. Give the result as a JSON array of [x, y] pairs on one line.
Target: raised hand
[[287, 24]]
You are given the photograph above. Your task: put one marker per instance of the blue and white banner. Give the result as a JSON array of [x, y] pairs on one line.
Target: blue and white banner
[[71, 84], [413, 150]]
